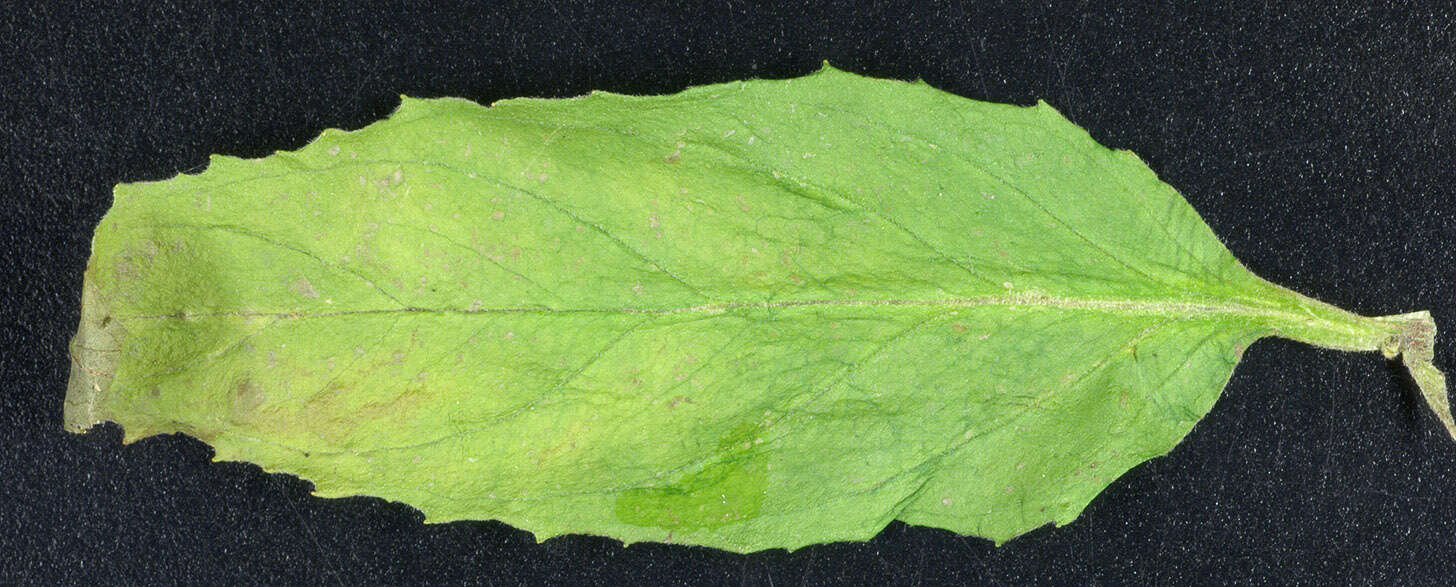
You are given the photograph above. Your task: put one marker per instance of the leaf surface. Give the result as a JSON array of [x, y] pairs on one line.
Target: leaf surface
[[752, 315]]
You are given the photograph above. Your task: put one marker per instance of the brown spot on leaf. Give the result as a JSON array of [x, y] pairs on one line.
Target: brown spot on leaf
[[301, 286], [247, 397], [675, 155]]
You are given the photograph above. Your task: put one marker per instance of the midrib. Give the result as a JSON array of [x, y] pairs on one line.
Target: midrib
[[1110, 306]]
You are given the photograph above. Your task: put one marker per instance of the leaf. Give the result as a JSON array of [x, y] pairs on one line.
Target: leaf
[[751, 315]]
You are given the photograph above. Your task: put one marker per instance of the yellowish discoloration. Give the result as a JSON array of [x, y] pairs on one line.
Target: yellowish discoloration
[[303, 287]]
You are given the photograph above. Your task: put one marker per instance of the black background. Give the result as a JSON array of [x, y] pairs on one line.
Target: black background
[[1315, 141]]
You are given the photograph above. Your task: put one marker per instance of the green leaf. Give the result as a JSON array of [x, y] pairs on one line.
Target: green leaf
[[751, 315]]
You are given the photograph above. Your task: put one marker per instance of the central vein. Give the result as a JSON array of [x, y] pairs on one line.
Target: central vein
[[1138, 307]]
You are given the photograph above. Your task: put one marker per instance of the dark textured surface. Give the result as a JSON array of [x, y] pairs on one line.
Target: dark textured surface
[[1315, 141]]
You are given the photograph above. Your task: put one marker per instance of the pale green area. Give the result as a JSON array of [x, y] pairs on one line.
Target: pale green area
[[751, 315]]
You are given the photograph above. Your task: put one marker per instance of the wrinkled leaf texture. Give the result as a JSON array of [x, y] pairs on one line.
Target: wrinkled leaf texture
[[752, 315]]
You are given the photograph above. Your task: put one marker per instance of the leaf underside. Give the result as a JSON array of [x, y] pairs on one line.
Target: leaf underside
[[762, 314]]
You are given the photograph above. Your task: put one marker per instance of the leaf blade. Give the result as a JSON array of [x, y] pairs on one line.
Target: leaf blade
[[699, 317]]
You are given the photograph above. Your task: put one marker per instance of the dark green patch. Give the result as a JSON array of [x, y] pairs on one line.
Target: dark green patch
[[724, 492], [721, 494]]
